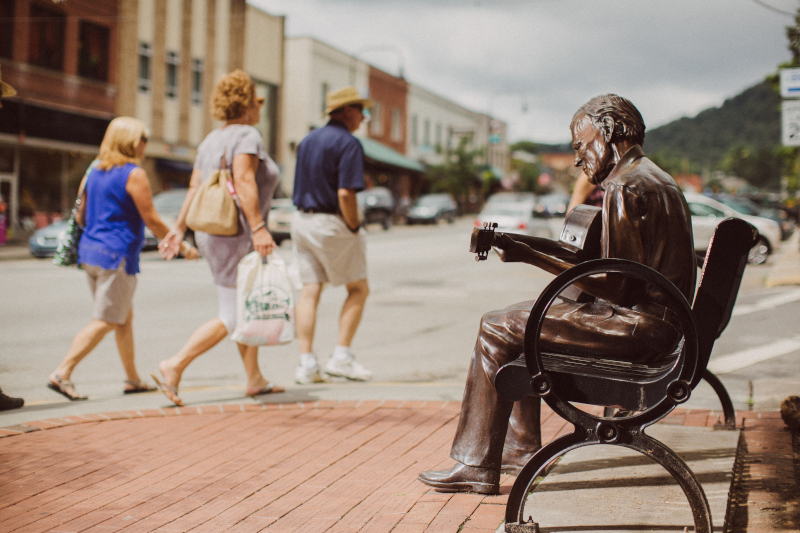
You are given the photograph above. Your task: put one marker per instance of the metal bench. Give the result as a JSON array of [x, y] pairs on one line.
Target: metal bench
[[644, 394]]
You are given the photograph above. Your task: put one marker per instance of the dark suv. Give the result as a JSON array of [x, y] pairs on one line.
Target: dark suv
[[377, 206]]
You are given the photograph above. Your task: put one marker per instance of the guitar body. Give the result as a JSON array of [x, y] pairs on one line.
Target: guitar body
[[579, 240]]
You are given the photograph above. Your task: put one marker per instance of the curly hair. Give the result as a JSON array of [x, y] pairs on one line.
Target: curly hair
[[233, 94], [628, 122]]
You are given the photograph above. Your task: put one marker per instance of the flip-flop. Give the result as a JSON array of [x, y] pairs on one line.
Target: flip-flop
[[269, 389], [138, 386], [169, 391], [65, 388]]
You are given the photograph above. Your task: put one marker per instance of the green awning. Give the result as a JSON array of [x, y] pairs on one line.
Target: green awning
[[383, 154]]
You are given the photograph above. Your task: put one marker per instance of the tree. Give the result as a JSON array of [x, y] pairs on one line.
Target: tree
[[525, 146], [458, 175]]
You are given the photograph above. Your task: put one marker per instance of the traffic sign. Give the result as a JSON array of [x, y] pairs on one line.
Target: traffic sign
[[790, 122], [790, 82]]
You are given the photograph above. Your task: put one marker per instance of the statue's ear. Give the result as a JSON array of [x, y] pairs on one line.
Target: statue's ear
[[608, 129]]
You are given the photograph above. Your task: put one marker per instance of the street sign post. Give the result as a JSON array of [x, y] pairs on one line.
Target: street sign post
[[790, 122]]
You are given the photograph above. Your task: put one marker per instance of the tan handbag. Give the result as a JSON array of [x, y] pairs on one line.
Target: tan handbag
[[213, 209]]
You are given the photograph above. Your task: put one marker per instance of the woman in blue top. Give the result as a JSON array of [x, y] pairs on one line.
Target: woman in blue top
[[116, 205]]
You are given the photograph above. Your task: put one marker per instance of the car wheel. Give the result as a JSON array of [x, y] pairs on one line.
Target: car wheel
[[758, 253], [387, 222]]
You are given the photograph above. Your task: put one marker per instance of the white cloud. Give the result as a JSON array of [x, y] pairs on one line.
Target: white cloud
[[670, 57]]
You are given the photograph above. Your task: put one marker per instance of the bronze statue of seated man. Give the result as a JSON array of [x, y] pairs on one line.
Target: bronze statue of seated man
[[645, 219]]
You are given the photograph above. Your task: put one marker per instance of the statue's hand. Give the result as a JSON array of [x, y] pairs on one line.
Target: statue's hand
[[509, 250]]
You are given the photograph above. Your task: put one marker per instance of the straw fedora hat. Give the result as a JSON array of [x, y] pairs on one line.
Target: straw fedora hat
[[6, 90], [347, 96]]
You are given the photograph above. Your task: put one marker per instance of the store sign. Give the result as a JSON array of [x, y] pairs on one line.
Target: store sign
[[790, 82]]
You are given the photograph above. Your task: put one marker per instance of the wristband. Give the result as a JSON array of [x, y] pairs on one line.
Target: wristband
[[258, 227]]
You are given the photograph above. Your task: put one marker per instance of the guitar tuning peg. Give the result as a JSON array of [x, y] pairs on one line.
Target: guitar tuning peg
[[494, 225]]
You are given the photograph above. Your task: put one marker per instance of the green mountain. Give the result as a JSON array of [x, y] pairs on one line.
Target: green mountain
[[744, 132]]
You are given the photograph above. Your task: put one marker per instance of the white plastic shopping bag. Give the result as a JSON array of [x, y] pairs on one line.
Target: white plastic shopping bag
[[264, 302]]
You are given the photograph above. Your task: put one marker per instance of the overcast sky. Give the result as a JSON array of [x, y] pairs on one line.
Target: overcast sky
[[532, 63]]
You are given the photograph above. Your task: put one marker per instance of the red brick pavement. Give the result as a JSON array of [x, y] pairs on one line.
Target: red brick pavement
[[325, 466]]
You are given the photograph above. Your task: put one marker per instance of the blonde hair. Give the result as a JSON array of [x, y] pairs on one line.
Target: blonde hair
[[120, 142], [232, 95]]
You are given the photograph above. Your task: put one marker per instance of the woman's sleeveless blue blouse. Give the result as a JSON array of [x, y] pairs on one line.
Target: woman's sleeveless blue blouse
[[114, 229]]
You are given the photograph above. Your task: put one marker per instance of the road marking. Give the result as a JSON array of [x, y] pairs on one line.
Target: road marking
[[738, 360], [767, 303]]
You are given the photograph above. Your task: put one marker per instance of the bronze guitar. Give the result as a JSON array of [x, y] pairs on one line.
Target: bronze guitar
[[579, 240]]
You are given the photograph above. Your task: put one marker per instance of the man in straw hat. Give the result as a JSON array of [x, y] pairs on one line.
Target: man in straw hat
[[326, 232], [7, 402]]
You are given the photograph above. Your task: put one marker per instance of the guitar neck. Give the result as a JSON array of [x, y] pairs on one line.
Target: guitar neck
[[546, 246]]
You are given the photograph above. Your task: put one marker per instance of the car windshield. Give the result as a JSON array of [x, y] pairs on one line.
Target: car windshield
[[426, 201], [739, 205], [505, 210]]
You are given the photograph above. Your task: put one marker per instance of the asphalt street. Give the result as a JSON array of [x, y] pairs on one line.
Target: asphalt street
[[427, 296]]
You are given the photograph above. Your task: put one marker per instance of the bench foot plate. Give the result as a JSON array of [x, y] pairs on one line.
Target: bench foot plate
[[526, 527]]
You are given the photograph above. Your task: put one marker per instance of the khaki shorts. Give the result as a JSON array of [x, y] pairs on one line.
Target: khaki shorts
[[327, 251], [113, 292]]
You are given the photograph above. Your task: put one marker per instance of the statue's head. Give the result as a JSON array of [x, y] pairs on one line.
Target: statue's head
[[600, 123]]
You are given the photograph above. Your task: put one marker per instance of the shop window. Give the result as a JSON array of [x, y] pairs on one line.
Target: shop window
[[6, 29], [93, 51], [197, 81], [46, 37], [172, 75], [145, 67], [426, 133], [439, 136], [414, 137], [268, 121], [376, 119], [397, 125], [324, 98]]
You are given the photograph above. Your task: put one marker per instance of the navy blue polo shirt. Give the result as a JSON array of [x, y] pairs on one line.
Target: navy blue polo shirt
[[328, 159]]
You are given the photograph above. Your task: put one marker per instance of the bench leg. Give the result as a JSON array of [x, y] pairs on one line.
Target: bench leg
[[682, 474], [727, 405], [515, 508]]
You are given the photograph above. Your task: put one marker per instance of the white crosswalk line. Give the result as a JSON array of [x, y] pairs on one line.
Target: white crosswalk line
[[742, 359]]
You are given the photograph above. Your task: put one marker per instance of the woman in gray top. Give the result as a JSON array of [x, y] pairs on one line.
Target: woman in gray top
[[255, 176]]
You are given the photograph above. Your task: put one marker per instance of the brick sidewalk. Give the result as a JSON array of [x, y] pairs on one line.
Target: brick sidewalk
[[325, 466]]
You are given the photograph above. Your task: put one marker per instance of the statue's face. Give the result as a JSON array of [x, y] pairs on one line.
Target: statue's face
[[592, 152]]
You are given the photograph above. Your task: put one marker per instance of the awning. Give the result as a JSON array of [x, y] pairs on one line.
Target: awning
[[380, 153]]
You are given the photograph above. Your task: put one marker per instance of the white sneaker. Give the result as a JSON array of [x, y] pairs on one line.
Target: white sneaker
[[349, 369], [305, 375]]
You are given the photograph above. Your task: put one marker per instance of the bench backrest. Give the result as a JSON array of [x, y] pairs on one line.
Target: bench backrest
[[719, 283]]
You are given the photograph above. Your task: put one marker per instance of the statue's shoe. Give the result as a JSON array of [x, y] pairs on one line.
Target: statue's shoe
[[463, 478], [514, 460]]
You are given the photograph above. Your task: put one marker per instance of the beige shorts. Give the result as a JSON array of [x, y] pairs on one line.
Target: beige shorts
[[327, 251], [113, 292]]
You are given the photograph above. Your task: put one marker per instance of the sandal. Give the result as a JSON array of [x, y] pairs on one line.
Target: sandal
[[66, 388], [270, 388], [169, 391], [137, 387]]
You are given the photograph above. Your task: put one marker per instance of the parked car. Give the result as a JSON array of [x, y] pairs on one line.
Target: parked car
[[280, 219], [431, 208], [44, 241], [515, 217], [511, 197], [377, 206], [749, 207], [707, 213], [168, 204], [553, 204]]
